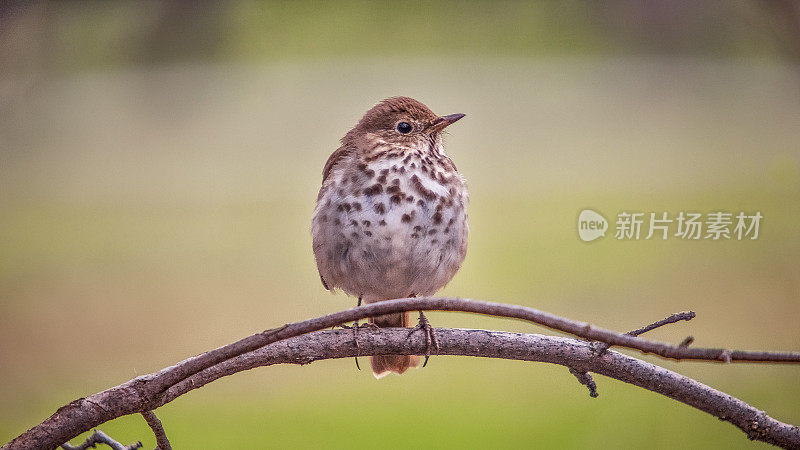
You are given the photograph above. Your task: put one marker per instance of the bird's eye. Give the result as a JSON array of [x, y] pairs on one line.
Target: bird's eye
[[404, 127]]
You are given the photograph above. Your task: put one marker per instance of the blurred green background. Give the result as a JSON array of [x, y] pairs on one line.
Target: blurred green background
[[159, 163]]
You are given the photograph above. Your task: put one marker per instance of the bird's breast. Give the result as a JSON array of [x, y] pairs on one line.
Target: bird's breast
[[393, 222]]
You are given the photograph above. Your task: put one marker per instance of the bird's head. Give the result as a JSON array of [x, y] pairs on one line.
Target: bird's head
[[402, 121]]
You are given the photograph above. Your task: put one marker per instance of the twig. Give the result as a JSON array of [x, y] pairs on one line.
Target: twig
[[585, 378], [162, 443], [153, 390], [98, 437], [677, 317]]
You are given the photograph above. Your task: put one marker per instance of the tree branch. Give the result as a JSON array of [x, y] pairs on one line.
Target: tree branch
[[98, 437], [585, 378], [151, 391], [572, 353], [677, 317], [576, 328], [162, 443]]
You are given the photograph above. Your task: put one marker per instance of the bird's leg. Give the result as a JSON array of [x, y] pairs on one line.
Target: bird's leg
[[430, 337], [355, 335], [355, 328], [355, 322], [365, 324]]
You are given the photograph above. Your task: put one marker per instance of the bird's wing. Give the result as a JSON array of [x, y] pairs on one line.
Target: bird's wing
[[335, 157], [324, 284]]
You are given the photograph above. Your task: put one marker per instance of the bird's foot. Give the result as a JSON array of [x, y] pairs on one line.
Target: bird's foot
[[430, 336], [355, 327]]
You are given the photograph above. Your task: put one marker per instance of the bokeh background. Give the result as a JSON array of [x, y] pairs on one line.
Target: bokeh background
[[159, 163]]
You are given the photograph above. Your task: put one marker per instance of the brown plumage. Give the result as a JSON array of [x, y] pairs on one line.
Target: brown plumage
[[391, 218]]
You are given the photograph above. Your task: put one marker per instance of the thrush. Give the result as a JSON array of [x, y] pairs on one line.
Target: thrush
[[391, 218]]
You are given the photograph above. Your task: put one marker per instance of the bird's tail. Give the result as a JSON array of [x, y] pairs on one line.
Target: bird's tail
[[382, 365]]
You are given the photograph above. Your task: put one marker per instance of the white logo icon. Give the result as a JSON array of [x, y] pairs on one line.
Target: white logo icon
[[591, 225]]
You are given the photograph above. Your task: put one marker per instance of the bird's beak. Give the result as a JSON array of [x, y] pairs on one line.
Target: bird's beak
[[441, 122]]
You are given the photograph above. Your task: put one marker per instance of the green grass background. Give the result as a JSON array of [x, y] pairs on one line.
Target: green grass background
[[152, 212]]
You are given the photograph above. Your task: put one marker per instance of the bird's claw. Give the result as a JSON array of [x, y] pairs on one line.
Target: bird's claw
[[430, 336], [355, 327]]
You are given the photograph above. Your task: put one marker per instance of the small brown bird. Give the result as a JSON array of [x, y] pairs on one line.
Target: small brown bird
[[391, 218]]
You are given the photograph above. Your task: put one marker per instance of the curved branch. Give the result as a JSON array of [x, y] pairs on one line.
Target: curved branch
[[150, 391], [572, 353], [576, 328], [580, 355]]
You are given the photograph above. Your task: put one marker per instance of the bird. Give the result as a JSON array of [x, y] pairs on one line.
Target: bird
[[391, 215]]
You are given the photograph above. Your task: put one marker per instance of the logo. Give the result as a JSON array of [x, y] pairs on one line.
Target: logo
[[591, 225], [634, 226]]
